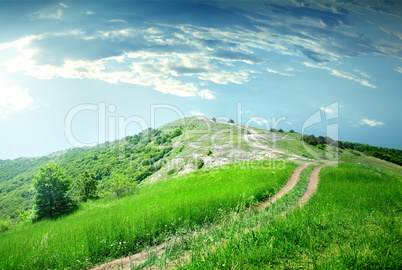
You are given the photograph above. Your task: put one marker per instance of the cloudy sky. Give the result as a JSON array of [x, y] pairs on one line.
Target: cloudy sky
[[77, 73]]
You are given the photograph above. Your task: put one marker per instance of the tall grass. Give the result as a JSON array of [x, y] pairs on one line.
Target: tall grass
[[353, 222], [111, 228]]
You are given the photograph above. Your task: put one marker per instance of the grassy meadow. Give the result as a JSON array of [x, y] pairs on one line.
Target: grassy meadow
[[352, 222], [113, 227]]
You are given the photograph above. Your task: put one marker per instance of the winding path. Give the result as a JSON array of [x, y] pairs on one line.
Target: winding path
[[313, 183], [127, 262], [294, 178]]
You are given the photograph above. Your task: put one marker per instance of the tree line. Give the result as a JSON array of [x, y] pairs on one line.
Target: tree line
[[387, 154]]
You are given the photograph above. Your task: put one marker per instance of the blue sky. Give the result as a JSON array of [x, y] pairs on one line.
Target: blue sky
[[253, 61]]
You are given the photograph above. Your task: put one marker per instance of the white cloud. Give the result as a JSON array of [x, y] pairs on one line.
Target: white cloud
[[63, 5], [341, 74], [371, 123], [13, 99], [398, 34], [45, 15], [174, 87], [117, 21], [362, 73], [89, 13], [398, 69], [260, 121], [207, 94], [278, 72], [385, 30], [197, 113]]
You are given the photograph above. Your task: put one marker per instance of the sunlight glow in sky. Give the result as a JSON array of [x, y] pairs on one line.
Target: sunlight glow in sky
[[273, 58]]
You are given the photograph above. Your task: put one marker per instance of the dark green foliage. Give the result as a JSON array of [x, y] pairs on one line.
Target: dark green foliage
[[52, 192], [171, 171], [321, 146], [87, 186], [387, 154], [200, 163], [280, 130], [231, 121], [272, 130], [209, 153], [214, 119], [176, 132], [291, 131]]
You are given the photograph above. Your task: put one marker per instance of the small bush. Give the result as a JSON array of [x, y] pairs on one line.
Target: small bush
[[209, 153], [171, 171], [200, 163], [5, 225]]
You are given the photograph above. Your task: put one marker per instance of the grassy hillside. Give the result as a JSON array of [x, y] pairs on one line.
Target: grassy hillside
[[112, 227], [353, 222], [156, 154], [206, 208]]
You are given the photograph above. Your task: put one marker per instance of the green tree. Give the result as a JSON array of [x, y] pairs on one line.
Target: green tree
[[291, 131], [121, 184], [280, 130], [87, 186], [52, 188]]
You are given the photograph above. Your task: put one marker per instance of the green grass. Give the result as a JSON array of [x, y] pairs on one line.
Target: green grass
[[200, 239], [352, 222], [111, 228], [358, 157]]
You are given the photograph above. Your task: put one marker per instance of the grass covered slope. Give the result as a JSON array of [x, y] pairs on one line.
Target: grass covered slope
[[353, 222], [110, 228]]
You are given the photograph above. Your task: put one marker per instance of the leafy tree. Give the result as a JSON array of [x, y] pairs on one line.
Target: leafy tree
[[291, 131], [231, 121], [52, 191], [280, 130], [121, 184], [214, 119], [87, 186], [272, 130]]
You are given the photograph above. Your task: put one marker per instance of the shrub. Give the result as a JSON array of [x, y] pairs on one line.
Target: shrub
[[121, 184], [171, 171], [5, 225], [200, 163]]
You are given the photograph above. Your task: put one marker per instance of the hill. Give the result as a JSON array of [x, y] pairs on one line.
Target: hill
[[222, 194], [171, 150]]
